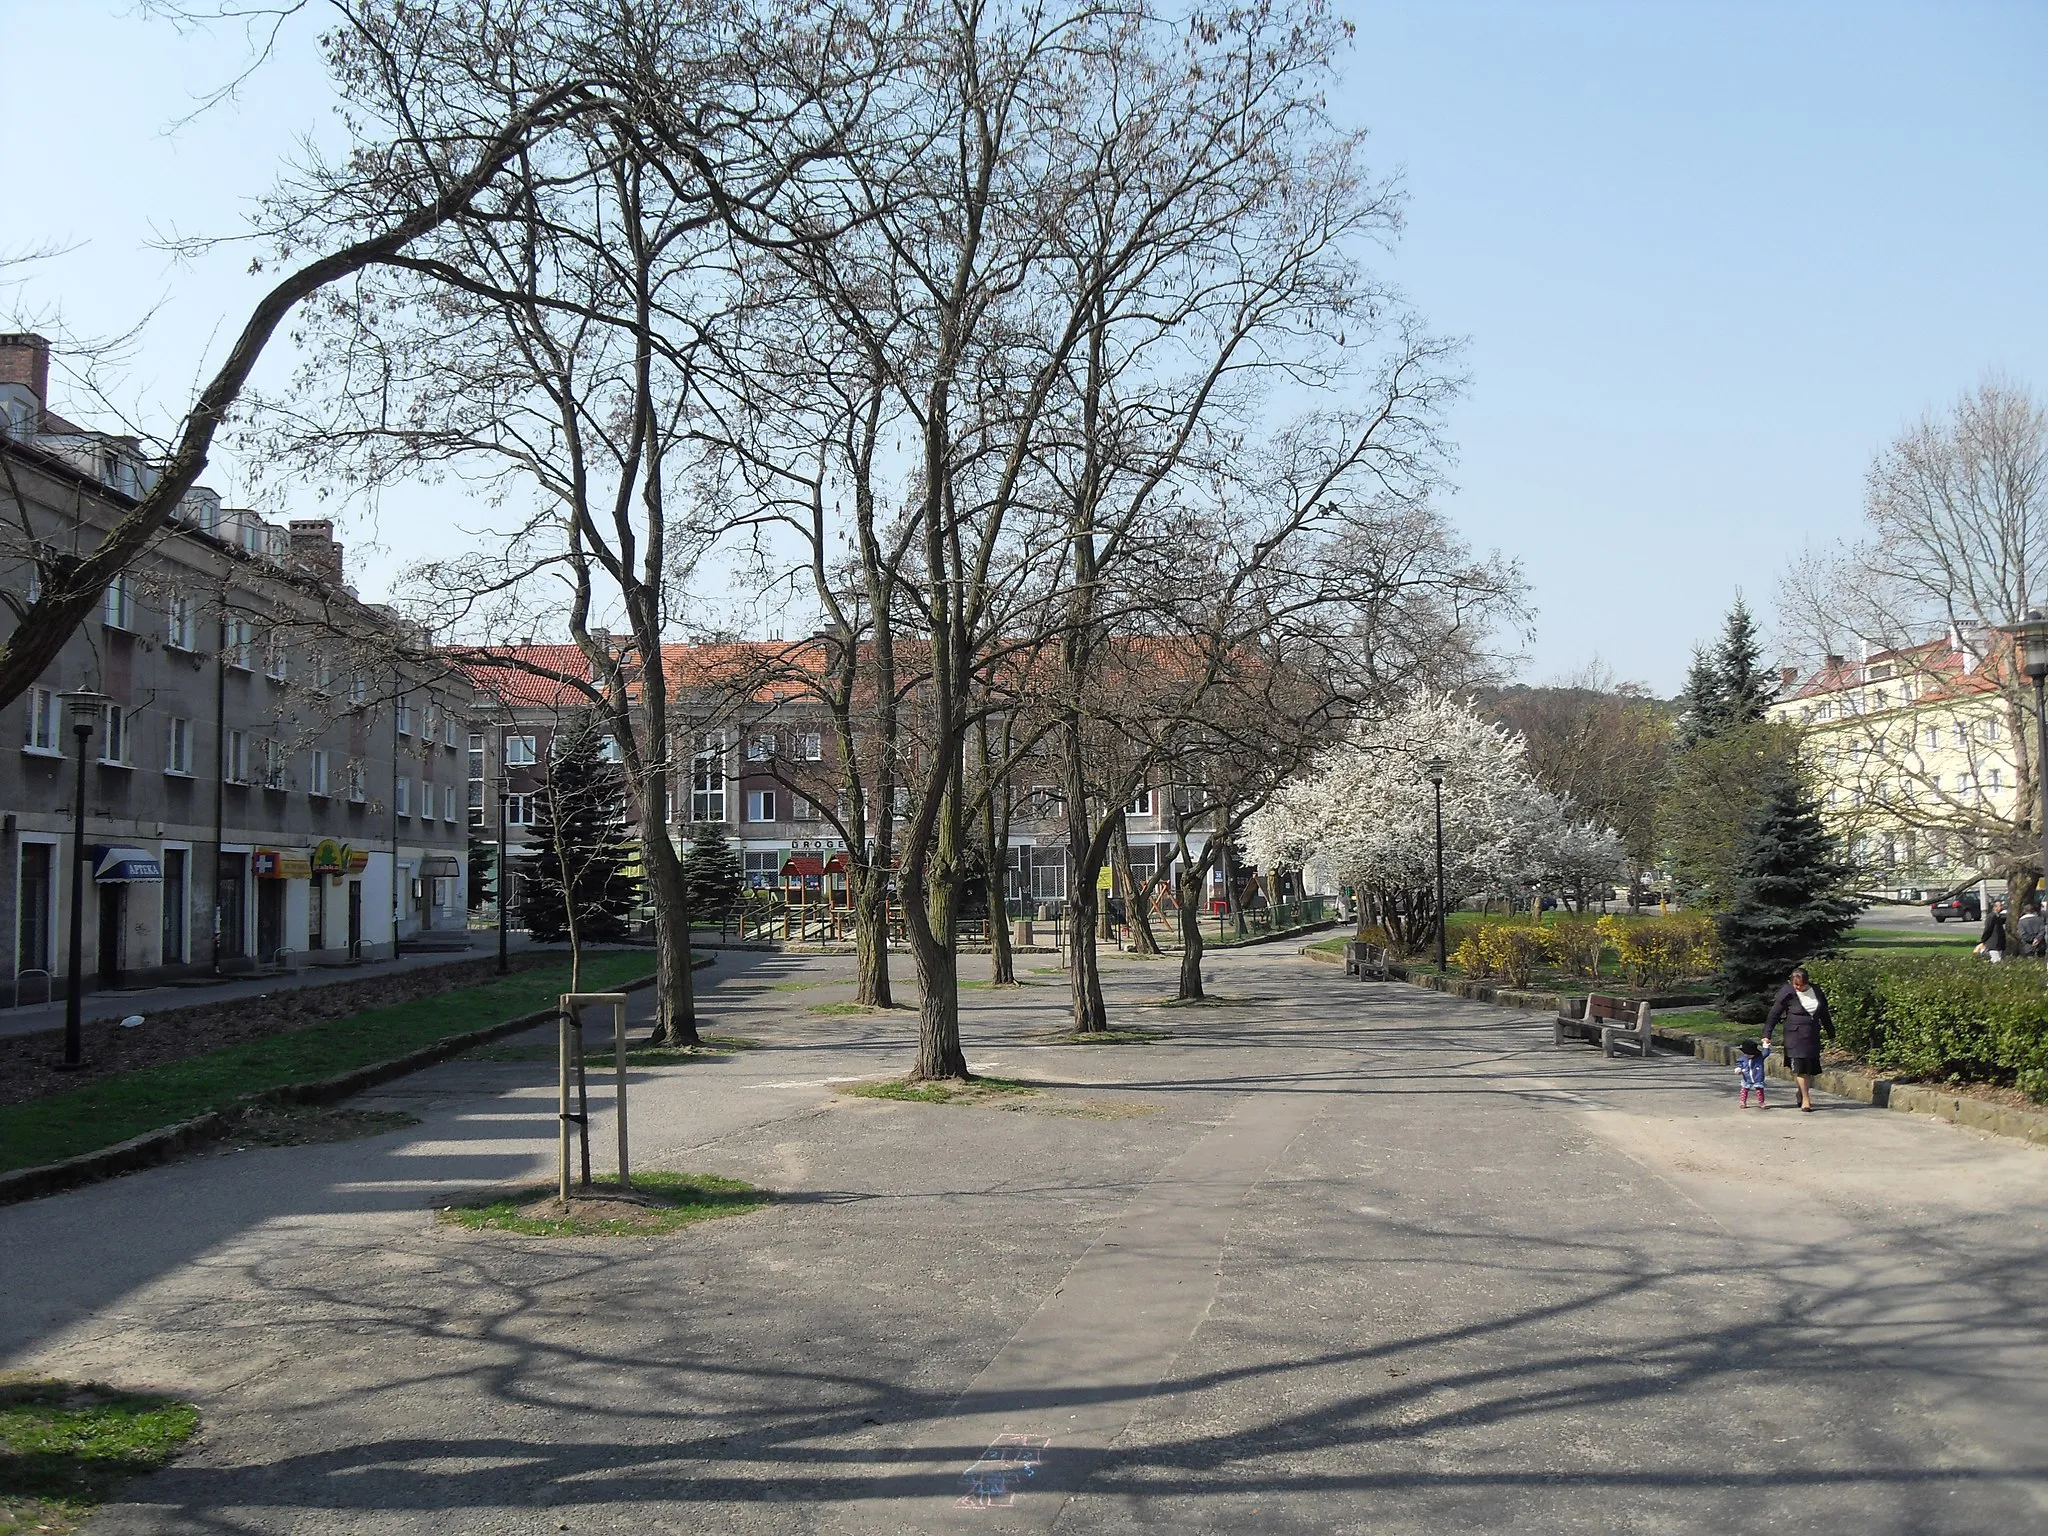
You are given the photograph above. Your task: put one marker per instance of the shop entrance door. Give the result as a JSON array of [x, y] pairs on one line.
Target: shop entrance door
[[113, 909], [355, 919], [269, 919], [227, 906]]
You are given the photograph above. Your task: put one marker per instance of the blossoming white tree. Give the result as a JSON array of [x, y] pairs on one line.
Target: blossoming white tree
[[1366, 815]]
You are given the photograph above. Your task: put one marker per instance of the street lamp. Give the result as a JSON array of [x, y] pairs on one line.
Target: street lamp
[[2032, 634], [82, 708], [1433, 770]]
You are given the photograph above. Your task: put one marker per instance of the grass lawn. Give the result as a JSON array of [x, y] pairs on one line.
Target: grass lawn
[[113, 1109], [672, 1200], [1880, 943], [1708, 1021], [65, 1448]]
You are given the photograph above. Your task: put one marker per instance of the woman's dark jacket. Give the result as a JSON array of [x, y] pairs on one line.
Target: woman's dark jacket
[[1993, 936], [1802, 1029]]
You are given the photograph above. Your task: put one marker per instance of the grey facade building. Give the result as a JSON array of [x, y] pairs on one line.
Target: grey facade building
[[270, 785]]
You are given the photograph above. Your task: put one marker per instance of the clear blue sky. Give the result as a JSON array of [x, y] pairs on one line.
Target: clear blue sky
[[1709, 257]]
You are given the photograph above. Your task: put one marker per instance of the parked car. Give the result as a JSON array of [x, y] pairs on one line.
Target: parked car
[[1965, 906]]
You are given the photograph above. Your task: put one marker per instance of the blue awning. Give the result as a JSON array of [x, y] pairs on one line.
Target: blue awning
[[113, 866]]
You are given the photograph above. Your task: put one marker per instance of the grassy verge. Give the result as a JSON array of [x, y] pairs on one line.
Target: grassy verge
[[671, 1201], [113, 1109], [64, 1449], [1708, 1021], [979, 1091]]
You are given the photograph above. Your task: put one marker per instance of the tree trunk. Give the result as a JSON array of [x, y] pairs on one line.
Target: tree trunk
[[871, 940], [932, 924], [675, 992], [1143, 940], [1190, 893], [995, 837], [1084, 973]]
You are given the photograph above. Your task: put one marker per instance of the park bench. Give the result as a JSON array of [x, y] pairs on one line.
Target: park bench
[[1609, 1021], [1368, 962]]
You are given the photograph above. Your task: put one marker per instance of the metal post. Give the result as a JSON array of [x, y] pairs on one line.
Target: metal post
[[504, 874], [1441, 916], [74, 1043], [562, 1111], [619, 1053]]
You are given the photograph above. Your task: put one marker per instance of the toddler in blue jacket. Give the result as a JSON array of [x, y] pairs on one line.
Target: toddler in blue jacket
[[1753, 1059]]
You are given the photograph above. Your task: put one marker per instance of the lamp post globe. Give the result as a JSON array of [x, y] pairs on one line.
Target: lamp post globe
[[82, 707]]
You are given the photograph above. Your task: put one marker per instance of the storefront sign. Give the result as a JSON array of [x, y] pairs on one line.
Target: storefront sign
[[116, 866], [332, 858], [271, 864]]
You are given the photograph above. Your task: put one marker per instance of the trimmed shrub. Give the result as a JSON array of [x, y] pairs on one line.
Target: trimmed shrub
[[1470, 956], [1575, 943], [1659, 952], [1942, 1018], [1512, 950]]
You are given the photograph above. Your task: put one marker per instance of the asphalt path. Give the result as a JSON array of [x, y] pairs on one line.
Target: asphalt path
[[1336, 1256]]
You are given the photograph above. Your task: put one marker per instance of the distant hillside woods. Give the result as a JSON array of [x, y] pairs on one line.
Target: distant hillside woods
[[1605, 744]]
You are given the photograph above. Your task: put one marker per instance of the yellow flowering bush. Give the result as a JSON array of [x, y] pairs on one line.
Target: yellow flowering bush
[[1512, 950], [1659, 951], [1575, 944]]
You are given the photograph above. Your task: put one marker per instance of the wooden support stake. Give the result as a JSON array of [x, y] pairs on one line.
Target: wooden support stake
[[616, 1001], [562, 1108]]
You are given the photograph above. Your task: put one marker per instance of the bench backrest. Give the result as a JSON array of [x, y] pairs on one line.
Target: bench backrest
[[1602, 1007]]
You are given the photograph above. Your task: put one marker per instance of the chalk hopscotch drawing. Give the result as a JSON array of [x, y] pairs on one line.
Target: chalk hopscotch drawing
[[993, 1479]]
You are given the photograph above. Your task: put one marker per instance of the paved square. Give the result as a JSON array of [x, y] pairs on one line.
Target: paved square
[[1334, 1257]]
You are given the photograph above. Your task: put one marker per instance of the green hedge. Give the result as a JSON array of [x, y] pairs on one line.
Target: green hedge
[[1942, 1017]]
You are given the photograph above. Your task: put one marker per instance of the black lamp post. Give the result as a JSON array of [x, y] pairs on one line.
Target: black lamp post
[[2032, 634], [1433, 770], [82, 708]]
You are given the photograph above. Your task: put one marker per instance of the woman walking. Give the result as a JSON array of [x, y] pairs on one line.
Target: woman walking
[[1804, 1009]]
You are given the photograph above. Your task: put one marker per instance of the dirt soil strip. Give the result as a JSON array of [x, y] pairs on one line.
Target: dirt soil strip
[[161, 1146]]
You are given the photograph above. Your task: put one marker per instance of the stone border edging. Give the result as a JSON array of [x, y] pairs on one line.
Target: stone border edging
[[153, 1147]]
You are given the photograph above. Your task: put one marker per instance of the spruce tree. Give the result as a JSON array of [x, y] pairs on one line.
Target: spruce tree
[[483, 869], [580, 845], [712, 876], [1746, 688], [1791, 900], [1703, 707]]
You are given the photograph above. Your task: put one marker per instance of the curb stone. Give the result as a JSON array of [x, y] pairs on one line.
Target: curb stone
[[153, 1147]]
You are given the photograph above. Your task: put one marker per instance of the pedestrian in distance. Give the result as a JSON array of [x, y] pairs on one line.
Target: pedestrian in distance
[[1991, 943], [1803, 1008], [2030, 929], [1752, 1064]]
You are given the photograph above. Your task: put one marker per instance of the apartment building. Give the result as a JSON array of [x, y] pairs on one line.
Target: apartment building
[[269, 784], [1913, 753]]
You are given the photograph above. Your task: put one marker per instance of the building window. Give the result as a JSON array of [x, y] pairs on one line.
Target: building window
[[519, 752], [802, 809], [42, 721], [117, 608], [358, 783], [238, 643], [764, 868], [1991, 733], [810, 746], [1042, 803], [1962, 783], [1142, 805], [707, 779], [274, 663], [760, 749], [476, 802], [234, 758], [323, 672], [401, 795], [1049, 874], [178, 746], [519, 810], [1961, 734], [181, 625], [608, 749], [358, 693], [1991, 780], [429, 799], [404, 718], [114, 737], [448, 805], [447, 727], [431, 718], [476, 756], [273, 764], [316, 773], [760, 805]]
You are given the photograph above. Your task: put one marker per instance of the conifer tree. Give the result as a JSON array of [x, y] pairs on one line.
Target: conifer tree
[[580, 843], [1703, 706], [1745, 687], [711, 872], [1791, 901]]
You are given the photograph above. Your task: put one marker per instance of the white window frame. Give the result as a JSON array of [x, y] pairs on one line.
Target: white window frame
[[178, 747], [403, 716], [428, 799], [45, 736], [803, 808], [358, 782], [238, 643], [760, 805], [181, 624], [401, 795], [117, 604], [276, 658], [519, 809], [708, 779], [1141, 805], [234, 757], [113, 734], [761, 749], [448, 804], [448, 725], [276, 764], [810, 746], [317, 782], [520, 751]]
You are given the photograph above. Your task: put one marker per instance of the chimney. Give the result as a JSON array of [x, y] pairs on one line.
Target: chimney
[[1788, 679], [1836, 663], [313, 549], [25, 360]]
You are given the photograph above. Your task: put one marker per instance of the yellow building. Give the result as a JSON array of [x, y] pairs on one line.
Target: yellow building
[[1913, 751]]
